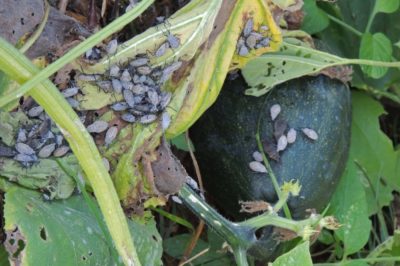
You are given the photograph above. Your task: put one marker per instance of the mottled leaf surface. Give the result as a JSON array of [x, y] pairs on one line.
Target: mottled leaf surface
[[67, 233]]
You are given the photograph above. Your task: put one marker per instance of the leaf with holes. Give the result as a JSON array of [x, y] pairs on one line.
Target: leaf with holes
[[290, 62], [65, 233], [375, 47], [300, 255], [370, 177], [350, 207], [373, 153]]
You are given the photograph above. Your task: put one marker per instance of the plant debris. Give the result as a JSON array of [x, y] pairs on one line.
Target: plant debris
[[169, 174]]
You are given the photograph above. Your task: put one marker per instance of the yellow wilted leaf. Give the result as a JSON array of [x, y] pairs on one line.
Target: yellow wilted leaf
[[216, 57]]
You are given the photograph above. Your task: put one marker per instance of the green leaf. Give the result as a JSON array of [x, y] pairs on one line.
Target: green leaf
[[66, 232], [386, 6], [349, 206], [264, 72], [370, 175], [315, 20], [300, 255], [375, 47], [372, 152]]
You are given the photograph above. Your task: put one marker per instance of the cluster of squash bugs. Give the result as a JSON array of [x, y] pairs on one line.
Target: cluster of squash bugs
[[283, 137], [35, 140], [250, 39], [139, 83]]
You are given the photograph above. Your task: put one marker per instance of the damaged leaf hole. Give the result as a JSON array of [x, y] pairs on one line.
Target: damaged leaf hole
[[43, 234], [14, 244]]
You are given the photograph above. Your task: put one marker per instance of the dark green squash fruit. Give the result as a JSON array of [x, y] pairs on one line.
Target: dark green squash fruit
[[224, 138]]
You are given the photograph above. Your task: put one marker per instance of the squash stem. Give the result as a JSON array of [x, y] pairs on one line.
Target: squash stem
[[275, 220], [237, 236], [281, 202], [240, 257]]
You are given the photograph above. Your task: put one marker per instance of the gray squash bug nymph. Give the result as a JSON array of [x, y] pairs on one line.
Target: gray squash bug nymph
[[251, 41], [24, 148], [147, 119], [257, 156], [59, 140], [128, 96], [61, 151], [243, 51], [165, 99], [310, 133], [176, 199], [291, 136], [25, 159], [257, 167], [90, 77], [119, 106], [248, 27], [274, 111], [125, 76], [47, 150], [114, 71], [127, 117], [35, 111], [73, 103], [127, 85], [21, 135], [165, 121], [167, 72], [282, 143], [106, 164], [70, 92], [265, 42], [97, 126], [139, 62], [6, 152], [105, 85], [117, 85], [111, 134], [139, 89], [111, 47], [144, 70], [162, 49], [153, 97], [142, 78], [173, 41]]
